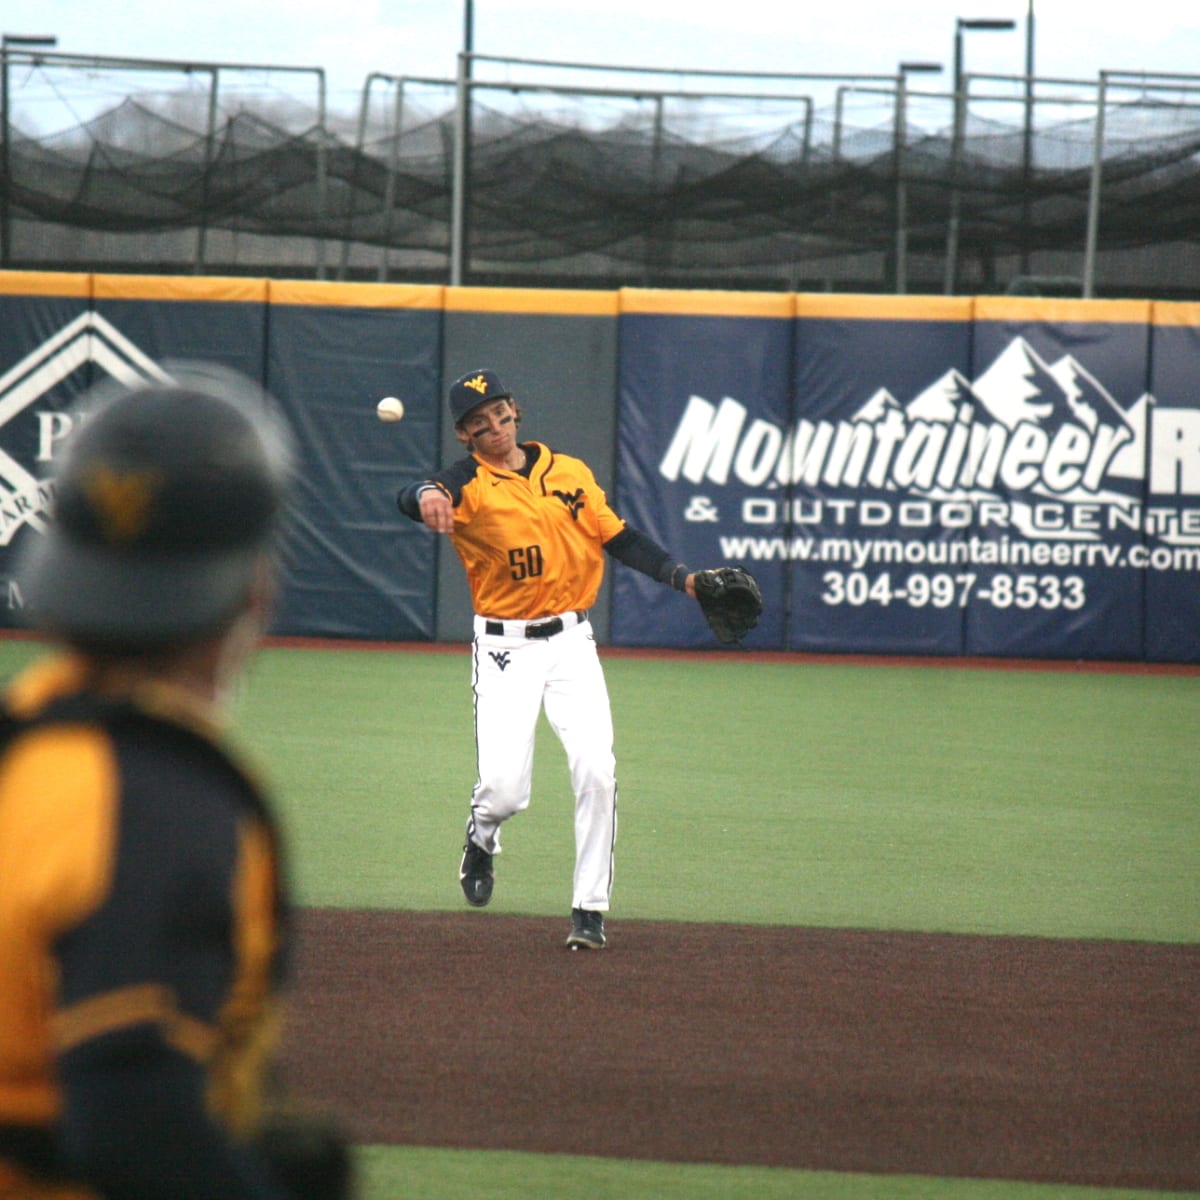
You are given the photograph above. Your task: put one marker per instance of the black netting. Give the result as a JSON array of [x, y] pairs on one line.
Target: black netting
[[602, 192]]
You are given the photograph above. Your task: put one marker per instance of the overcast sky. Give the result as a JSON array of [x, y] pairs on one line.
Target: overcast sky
[[1073, 38]]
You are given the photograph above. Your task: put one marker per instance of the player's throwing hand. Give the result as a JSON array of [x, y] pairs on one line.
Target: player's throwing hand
[[436, 510]]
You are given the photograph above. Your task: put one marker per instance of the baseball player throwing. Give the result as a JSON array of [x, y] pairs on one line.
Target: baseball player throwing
[[531, 527]]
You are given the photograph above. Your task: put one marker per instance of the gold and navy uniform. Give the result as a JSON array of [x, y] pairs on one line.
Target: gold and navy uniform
[[142, 925], [533, 542]]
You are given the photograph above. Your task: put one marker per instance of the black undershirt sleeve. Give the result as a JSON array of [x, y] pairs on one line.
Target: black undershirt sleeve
[[451, 480], [644, 554]]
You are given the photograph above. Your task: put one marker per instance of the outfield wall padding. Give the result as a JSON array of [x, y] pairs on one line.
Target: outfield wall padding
[[979, 476]]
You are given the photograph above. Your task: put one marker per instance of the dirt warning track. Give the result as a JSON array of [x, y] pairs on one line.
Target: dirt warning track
[[1012, 1058]]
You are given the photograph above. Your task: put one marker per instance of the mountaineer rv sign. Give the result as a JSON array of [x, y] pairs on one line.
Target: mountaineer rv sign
[[1040, 449]]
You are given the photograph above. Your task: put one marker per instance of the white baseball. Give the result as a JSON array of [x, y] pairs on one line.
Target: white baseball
[[390, 409]]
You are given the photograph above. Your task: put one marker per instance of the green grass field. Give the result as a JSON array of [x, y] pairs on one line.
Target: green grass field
[[1043, 803]]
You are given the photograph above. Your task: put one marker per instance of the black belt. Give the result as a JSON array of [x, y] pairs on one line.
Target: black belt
[[535, 629]]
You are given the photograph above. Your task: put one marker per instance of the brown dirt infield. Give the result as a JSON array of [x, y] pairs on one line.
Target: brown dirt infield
[[1011, 1058]]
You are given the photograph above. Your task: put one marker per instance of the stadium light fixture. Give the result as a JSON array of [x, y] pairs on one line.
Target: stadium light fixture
[[963, 25], [29, 42]]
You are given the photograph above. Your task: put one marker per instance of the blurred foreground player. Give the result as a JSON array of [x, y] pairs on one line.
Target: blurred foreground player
[[143, 914]]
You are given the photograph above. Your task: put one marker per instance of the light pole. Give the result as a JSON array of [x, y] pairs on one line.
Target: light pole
[[901, 136], [1027, 144], [460, 198], [961, 25], [6, 40]]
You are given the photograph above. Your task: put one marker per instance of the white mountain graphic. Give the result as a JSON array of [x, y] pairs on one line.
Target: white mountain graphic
[[1020, 387], [876, 408], [1090, 404], [942, 399], [1130, 461]]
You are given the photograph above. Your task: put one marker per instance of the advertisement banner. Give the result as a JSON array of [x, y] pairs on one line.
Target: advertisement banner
[[1172, 516], [52, 348], [703, 385], [357, 568], [1059, 496], [926, 475], [873, 470], [353, 566]]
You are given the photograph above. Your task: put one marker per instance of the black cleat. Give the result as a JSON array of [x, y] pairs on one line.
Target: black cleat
[[587, 930], [476, 875]]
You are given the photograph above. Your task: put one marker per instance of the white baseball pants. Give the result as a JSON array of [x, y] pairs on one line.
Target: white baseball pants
[[514, 678]]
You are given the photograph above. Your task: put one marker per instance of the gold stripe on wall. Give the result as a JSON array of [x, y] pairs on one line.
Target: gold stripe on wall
[[216, 288], [1060, 310], [868, 307], [332, 294], [543, 301], [1174, 313], [667, 301], [582, 302], [71, 284]]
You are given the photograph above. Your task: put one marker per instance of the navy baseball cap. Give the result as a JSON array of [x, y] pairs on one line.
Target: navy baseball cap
[[166, 499], [472, 390]]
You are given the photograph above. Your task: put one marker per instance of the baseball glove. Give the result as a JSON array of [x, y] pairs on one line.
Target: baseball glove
[[730, 600]]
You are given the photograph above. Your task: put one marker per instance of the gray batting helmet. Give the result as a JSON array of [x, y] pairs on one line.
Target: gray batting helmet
[[166, 499]]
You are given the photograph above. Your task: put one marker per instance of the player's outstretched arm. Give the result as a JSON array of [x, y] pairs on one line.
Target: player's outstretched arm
[[642, 553]]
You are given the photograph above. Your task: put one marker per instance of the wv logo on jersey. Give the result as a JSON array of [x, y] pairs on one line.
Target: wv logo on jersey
[[500, 657], [573, 500]]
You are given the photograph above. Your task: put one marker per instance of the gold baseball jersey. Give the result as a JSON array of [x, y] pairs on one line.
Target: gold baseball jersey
[[141, 904], [531, 545]]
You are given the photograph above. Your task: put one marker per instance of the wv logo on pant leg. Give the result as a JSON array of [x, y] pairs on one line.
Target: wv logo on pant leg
[[499, 657]]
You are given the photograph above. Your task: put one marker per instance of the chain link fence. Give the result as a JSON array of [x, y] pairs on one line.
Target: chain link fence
[[519, 173]]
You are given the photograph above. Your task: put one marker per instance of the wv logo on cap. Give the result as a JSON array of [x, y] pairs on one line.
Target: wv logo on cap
[[122, 502], [479, 383]]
